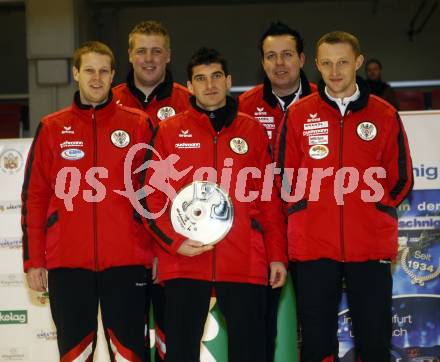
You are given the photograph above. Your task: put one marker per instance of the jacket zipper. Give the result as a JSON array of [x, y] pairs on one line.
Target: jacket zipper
[[94, 210], [214, 256], [341, 207]]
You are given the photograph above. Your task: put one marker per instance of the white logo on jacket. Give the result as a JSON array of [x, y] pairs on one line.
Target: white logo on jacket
[[184, 133], [120, 138], [318, 140], [239, 145], [72, 154], [260, 112], [67, 130], [367, 131], [72, 144], [165, 112], [185, 145], [313, 117], [316, 125], [318, 152]]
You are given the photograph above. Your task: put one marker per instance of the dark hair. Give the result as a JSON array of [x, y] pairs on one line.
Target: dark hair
[[279, 28], [206, 56], [373, 60]]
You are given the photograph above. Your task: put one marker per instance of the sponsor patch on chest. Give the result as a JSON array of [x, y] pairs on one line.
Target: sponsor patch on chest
[[318, 152], [72, 144], [120, 138], [72, 154], [238, 145], [165, 112], [187, 145], [366, 131], [315, 125], [318, 140]]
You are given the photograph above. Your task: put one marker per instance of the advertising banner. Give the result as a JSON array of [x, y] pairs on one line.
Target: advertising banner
[[416, 282]]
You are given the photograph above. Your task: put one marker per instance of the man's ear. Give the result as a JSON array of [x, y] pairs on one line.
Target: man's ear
[[190, 87], [359, 61], [302, 59], [75, 73], [229, 81]]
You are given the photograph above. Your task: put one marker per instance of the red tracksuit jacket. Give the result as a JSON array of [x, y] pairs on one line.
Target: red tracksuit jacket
[[95, 235], [260, 103], [316, 136], [166, 100], [240, 256]]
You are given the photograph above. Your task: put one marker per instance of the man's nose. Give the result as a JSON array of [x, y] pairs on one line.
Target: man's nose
[[280, 59]]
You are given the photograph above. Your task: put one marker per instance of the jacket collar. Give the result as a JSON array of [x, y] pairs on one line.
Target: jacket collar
[[161, 91], [272, 100], [354, 106], [199, 113], [101, 110]]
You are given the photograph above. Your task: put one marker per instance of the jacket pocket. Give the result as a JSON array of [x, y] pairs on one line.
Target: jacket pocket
[[391, 211], [300, 205]]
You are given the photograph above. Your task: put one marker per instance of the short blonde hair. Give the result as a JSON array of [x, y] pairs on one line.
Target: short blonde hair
[[336, 37], [149, 27], [92, 47]]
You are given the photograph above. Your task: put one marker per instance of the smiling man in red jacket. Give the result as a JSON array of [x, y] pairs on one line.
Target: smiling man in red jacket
[[342, 220], [285, 83], [75, 223], [282, 58], [210, 136], [150, 88]]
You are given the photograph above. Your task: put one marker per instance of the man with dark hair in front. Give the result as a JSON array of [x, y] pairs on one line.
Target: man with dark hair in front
[[346, 229], [208, 136], [282, 58], [373, 71], [86, 250]]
